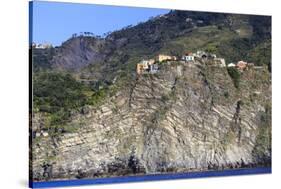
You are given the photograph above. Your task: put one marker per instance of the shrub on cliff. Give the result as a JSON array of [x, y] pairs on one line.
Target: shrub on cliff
[[235, 76]]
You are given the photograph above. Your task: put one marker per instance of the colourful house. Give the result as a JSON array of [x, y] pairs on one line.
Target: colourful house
[[162, 57], [140, 68], [241, 65], [188, 57], [146, 66]]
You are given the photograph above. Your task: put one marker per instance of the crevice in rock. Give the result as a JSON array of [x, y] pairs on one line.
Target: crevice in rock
[[132, 88]]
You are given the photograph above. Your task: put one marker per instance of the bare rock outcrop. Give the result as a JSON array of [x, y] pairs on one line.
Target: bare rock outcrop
[[184, 118]]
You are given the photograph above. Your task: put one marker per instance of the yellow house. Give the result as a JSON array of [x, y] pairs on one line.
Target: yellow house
[[140, 68], [144, 65], [162, 57]]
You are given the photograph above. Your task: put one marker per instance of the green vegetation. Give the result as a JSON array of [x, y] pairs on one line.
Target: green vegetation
[[159, 114], [208, 38], [226, 94], [235, 76], [54, 92], [164, 98], [261, 54], [58, 95], [41, 58], [211, 48], [235, 49]]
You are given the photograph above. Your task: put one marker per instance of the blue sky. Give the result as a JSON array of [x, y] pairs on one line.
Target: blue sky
[[55, 22]]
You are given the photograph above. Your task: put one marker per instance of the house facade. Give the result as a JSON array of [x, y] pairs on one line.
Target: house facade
[[200, 54], [153, 68], [231, 65], [162, 57], [146, 66], [204, 55], [146, 63], [188, 58], [241, 65], [140, 68]]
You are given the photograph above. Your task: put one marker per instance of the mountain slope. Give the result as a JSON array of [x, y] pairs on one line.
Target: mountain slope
[[232, 36]]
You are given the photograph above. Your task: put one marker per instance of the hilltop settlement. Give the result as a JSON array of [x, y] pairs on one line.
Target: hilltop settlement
[[151, 66]]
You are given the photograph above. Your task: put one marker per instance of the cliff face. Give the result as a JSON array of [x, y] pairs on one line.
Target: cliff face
[[78, 52], [187, 117]]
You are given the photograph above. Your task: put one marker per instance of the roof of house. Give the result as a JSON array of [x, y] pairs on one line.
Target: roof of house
[[230, 64], [241, 62]]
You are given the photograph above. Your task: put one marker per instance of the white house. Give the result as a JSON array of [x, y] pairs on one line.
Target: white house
[[231, 65], [188, 58], [199, 54], [146, 63], [213, 56], [153, 68]]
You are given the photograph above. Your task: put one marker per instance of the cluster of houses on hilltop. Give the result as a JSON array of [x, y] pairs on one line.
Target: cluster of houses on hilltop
[[151, 65], [201, 55]]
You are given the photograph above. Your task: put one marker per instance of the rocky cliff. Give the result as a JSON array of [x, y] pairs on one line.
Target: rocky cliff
[[187, 117]]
